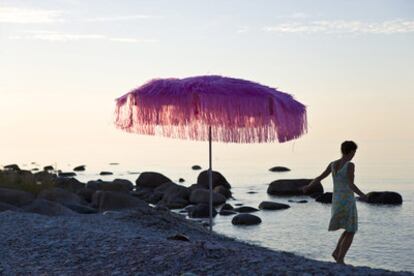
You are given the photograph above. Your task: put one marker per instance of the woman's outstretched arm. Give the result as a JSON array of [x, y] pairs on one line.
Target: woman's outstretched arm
[[351, 177], [318, 179]]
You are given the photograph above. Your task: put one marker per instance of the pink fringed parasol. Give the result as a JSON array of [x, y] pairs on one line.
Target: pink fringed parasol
[[239, 111]]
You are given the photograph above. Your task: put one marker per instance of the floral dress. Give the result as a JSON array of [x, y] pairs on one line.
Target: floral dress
[[343, 213]]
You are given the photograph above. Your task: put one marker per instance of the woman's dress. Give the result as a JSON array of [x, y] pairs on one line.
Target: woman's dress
[[343, 213]]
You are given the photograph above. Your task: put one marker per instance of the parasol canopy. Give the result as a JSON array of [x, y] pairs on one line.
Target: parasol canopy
[[238, 110]]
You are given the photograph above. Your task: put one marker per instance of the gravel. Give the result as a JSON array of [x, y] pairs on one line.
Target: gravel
[[135, 242]]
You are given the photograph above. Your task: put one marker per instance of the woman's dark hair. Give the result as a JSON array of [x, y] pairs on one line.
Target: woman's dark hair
[[348, 146]]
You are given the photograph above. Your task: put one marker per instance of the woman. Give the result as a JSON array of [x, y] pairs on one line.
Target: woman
[[343, 212]]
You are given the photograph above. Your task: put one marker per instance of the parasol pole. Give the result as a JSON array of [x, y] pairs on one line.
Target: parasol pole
[[210, 182]]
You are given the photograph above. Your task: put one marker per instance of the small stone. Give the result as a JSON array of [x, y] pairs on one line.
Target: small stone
[[105, 173], [79, 168], [246, 209]]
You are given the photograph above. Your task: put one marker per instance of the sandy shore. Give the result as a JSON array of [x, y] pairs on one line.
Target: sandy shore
[[135, 242]]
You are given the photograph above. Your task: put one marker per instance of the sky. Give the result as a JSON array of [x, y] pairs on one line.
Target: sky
[[63, 62]]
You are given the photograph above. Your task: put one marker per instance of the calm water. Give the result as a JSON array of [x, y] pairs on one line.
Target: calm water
[[385, 237]]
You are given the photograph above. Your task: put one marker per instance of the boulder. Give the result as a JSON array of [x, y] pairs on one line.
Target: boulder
[[48, 208], [252, 192], [15, 197], [174, 196], [224, 191], [45, 178], [227, 213], [12, 167], [196, 167], [218, 180], [384, 198], [151, 180], [201, 211], [227, 207], [105, 173], [147, 195], [196, 186], [61, 196], [246, 219], [203, 196], [66, 174], [245, 209], [181, 180], [279, 169], [288, 187], [118, 185], [106, 200], [298, 201], [86, 194], [70, 184], [48, 168], [80, 168], [270, 205], [324, 198]]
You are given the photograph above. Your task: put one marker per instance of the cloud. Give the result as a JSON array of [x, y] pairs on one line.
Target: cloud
[[122, 18], [243, 29], [68, 37], [28, 16], [343, 26]]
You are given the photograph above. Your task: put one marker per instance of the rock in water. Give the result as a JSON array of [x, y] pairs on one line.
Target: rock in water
[[67, 174], [224, 191], [298, 201], [246, 219], [80, 168], [270, 205], [227, 207], [384, 198], [292, 187], [196, 167], [117, 185], [181, 180], [245, 209], [173, 196], [279, 169], [151, 180], [324, 198], [227, 213], [201, 211], [203, 196], [105, 173], [12, 167], [218, 180], [70, 184], [48, 168]]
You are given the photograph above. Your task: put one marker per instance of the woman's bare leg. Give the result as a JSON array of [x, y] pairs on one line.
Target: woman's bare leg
[[336, 251], [345, 245]]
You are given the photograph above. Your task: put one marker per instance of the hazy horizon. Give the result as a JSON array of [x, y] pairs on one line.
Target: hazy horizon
[[64, 62]]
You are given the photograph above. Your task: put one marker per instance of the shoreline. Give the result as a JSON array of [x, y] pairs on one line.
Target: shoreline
[[135, 242]]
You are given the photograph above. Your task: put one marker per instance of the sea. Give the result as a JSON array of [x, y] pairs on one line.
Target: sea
[[385, 238]]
